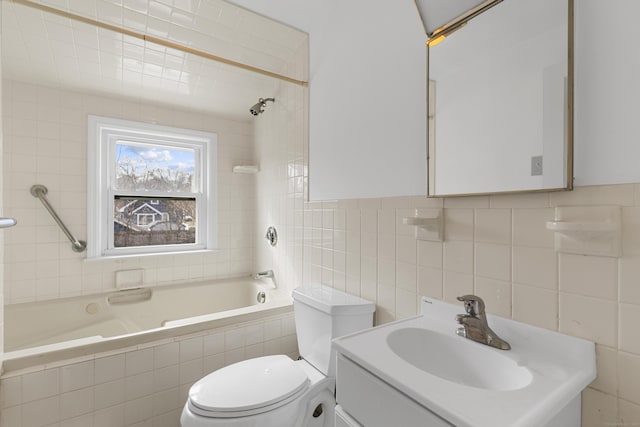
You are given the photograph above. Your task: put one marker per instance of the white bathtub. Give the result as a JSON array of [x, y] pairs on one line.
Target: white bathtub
[[47, 331]]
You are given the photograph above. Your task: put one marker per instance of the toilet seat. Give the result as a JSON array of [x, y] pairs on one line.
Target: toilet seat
[[248, 388]]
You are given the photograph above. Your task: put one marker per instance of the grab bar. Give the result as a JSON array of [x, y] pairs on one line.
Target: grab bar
[[7, 222], [40, 191]]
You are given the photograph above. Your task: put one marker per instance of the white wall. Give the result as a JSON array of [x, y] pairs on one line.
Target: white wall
[[367, 95], [607, 92]]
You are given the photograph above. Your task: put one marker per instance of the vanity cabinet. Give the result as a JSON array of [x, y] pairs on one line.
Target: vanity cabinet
[[344, 420], [371, 402]]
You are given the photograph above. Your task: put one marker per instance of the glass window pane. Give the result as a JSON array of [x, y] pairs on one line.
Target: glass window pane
[[153, 222], [148, 167]]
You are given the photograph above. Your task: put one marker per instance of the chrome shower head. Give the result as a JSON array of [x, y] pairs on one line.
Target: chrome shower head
[[259, 107]]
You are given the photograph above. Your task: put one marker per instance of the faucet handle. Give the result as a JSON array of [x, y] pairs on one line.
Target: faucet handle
[[473, 304]]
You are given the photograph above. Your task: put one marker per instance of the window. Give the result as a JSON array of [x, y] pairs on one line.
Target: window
[[152, 190]]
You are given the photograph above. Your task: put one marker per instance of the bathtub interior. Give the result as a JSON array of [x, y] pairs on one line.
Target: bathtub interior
[[80, 320]]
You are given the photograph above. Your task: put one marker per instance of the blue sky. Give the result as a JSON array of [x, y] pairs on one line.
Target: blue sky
[[147, 156]]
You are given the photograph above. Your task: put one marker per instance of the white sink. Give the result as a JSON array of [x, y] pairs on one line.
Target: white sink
[[536, 383], [442, 356]]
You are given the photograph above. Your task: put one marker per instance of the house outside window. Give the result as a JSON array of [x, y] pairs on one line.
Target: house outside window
[[153, 189]]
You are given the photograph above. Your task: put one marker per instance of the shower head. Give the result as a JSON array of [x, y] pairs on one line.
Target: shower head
[[259, 107]]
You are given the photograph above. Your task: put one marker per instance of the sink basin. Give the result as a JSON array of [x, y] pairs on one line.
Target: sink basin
[[535, 384], [453, 359]]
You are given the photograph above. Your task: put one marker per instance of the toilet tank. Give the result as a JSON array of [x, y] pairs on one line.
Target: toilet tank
[[322, 314]]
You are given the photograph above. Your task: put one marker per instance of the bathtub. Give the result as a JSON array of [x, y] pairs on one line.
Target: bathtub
[[47, 331]]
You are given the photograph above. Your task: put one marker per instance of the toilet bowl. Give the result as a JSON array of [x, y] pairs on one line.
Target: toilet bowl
[[275, 391]]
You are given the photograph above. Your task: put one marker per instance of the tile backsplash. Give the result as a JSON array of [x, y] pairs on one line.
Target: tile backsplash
[[497, 247]]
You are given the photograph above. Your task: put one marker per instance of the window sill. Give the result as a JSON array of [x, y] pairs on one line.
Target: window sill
[[125, 256]]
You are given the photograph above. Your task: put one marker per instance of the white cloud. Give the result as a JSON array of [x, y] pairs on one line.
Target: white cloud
[[154, 155]]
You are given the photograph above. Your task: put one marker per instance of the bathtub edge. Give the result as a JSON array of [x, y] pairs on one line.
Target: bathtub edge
[[19, 366]]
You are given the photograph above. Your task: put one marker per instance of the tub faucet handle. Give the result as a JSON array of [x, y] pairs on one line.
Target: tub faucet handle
[[272, 236]]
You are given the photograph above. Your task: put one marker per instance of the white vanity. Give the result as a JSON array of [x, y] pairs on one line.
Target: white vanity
[[418, 372]]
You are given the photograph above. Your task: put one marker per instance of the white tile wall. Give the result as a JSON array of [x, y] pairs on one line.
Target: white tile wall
[[499, 248], [2, 250], [146, 384], [45, 142], [280, 189], [527, 303], [588, 275], [62, 52]]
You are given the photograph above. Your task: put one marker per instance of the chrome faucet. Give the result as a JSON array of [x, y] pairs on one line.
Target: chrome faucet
[[264, 274], [475, 326]]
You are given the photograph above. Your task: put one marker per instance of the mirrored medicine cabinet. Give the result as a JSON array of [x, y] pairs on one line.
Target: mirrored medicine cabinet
[[500, 101]]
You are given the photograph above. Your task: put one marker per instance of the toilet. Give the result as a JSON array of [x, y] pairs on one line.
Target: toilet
[[275, 391]]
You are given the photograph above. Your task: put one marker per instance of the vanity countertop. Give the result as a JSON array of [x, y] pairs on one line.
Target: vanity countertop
[[522, 387]]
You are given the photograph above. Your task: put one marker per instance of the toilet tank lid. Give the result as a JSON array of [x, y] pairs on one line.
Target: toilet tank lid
[[332, 301]]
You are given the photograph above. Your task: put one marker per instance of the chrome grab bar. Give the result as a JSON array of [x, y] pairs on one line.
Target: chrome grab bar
[[7, 222], [40, 191]]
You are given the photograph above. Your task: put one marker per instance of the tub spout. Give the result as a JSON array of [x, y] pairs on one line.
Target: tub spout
[[264, 274]]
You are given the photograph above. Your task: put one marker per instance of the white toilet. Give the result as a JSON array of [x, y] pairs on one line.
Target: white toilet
[[275, 391]]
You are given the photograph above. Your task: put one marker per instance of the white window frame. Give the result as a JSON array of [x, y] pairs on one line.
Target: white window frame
[[104, 134]]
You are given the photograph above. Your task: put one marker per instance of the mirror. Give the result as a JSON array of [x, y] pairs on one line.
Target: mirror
[[500, 101]]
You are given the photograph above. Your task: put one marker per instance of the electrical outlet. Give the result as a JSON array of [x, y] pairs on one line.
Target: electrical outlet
[[536, 165]]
